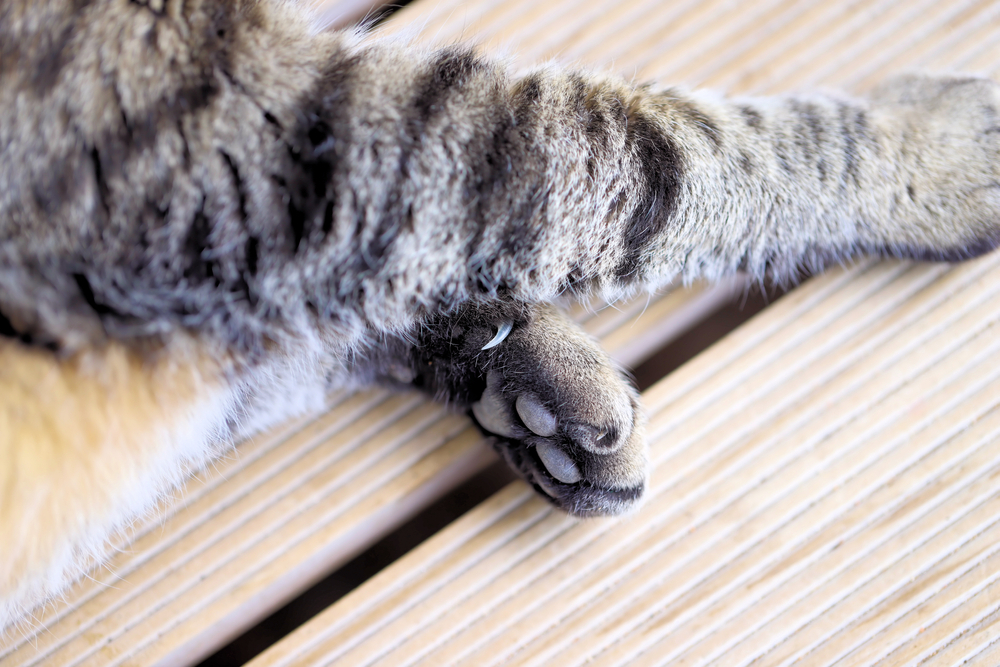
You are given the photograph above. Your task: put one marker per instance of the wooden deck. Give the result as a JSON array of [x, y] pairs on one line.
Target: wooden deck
[[826, 483]]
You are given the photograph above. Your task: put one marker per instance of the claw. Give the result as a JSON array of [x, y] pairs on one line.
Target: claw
[[503, 330]]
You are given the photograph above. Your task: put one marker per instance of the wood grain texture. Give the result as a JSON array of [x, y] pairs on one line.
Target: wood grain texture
[[290, 506], [826, 487], [826, 479], [826, 484]]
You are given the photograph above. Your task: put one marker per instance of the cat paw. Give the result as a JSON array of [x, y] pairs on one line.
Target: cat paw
[[560, 413]]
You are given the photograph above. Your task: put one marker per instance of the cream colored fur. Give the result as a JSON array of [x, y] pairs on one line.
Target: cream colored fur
[[89, 443], [210, 213]]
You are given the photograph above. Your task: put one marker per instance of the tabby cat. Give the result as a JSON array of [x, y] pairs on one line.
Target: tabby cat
[[211, 212]]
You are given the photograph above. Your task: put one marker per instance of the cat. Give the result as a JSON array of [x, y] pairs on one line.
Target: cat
[[213, 212]]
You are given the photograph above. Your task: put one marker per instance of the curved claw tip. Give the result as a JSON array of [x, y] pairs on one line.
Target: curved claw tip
[[503, 330]]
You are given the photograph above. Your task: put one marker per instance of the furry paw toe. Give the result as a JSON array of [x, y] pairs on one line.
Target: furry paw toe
[[560, 412], [565, 418]]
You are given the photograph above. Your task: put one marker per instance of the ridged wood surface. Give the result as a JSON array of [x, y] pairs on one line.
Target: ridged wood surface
[[826, 484], [826, 487], [288, 507]]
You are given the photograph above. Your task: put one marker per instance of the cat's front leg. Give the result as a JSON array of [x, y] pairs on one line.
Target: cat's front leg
[[561, 413]]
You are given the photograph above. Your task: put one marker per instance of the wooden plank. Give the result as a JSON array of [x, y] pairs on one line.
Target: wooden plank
[[826, 480], [825, 511], [288, 507], [213, 566]]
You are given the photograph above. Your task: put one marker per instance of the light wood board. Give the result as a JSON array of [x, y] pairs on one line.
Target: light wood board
[[827, 479]]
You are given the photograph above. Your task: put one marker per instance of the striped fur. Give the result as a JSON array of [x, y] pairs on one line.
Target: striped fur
[[271, 206]]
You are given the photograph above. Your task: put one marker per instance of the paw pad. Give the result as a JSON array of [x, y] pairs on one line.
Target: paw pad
[[536, 416], [564, 417], [494, 413], [492, 410], [558, 463]]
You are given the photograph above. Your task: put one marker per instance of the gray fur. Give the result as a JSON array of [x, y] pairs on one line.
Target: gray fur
[[221, 169]]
